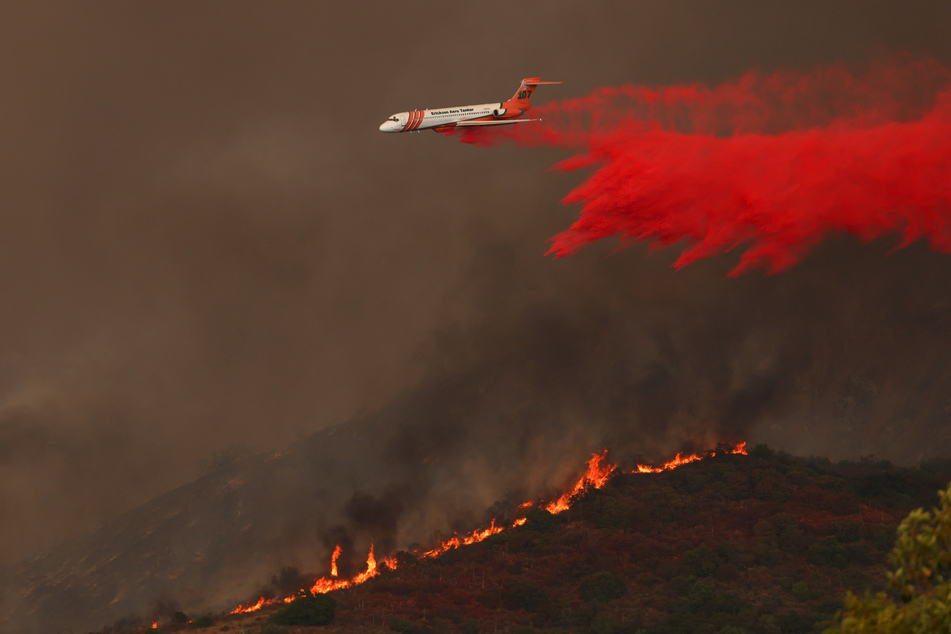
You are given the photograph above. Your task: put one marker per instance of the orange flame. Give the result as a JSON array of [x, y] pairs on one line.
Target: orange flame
[[596, 476], [474, 537], [371, 570], [324, 585], [333, 561], [680, 460], [244, 609], [154, 625]]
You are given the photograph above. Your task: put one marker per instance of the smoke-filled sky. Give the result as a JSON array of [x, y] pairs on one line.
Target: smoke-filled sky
[[206, 242]]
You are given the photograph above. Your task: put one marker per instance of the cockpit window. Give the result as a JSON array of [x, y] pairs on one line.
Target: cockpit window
[[394, 118]]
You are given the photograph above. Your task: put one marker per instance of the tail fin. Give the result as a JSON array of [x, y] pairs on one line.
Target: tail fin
[[527, 87]]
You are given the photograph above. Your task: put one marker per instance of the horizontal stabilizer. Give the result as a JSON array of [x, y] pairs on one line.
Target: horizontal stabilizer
[[527, 87], [469, 124]]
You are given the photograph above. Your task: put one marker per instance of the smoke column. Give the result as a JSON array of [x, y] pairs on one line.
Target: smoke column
[[775, 162]]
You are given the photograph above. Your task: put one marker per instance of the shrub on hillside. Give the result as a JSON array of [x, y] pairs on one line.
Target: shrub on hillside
[[542, 521], [666, 504], [849, 530], [863, 552], [892, 488], [794, 623], [403, 626], [772, 487], [524, 594], [789, 537], [775, 535], [469, 627], [702, 599], [829, 552], [802, 591], [306, 609], [602, 586], [883, 537], [700, 562], [205, 620], [613, 513], [603, 623]]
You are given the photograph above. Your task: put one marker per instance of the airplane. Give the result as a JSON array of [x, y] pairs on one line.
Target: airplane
[[487, 114]]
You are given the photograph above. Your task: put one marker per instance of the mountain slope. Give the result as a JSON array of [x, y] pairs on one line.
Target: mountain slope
[[761, 543], [399, 476]]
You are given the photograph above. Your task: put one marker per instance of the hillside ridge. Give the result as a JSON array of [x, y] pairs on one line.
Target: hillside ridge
[[760, 543]]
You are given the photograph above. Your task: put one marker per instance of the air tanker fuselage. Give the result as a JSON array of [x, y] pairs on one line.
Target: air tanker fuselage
[[487, 114]]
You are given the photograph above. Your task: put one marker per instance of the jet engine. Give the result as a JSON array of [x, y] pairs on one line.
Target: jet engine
[[501, 112]]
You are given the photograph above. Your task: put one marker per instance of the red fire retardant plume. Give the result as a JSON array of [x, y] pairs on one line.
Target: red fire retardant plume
[[772, 162]]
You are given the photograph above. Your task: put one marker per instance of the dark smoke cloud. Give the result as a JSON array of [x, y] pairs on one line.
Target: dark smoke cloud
[[207, 243], [839, 356]]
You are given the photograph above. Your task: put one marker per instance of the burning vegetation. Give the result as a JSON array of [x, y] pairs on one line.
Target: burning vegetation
[[596, 475], [760, 542]]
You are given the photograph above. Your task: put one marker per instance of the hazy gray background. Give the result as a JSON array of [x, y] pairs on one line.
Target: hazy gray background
[[205, 242]]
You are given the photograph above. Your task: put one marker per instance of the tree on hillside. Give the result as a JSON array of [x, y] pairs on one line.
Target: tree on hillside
[[920, 600]]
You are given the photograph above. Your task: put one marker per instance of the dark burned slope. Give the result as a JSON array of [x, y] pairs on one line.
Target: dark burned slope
[[765, 543]]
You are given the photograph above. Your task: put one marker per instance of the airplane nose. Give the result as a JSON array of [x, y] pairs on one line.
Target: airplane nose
[[389, 126]]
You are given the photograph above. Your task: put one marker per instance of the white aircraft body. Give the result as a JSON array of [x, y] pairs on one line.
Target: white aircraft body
[[445, 119]]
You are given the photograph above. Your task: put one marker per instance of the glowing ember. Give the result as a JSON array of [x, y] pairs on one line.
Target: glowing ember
[[596, 476], [333, 561]]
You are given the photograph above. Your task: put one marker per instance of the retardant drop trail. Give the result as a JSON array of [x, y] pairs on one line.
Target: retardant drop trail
[[773, 162]]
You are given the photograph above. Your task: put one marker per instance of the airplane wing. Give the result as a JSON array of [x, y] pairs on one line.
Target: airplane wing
[[466, 124]]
